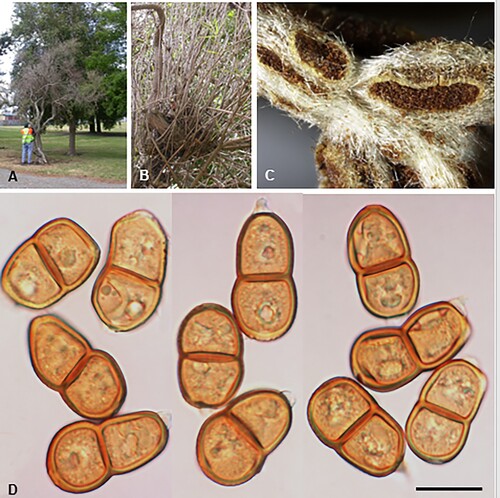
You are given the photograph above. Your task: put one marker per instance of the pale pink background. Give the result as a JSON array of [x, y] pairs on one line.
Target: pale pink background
[[451, 237], [31, 413], [206, 228]]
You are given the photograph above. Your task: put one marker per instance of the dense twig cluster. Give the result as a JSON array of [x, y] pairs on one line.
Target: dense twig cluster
[[191, 95]]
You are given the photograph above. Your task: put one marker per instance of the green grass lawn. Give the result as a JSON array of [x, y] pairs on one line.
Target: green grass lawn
[[98, 156]]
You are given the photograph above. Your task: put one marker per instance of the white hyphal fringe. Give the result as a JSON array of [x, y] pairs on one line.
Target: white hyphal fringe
[[439, 146]]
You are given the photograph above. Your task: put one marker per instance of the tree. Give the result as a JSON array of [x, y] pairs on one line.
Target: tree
[[5, 43], [40, 30], [4, 95], [54, 89], [108, 56]]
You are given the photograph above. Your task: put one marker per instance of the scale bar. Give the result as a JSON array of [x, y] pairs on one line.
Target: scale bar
[[449, 488]]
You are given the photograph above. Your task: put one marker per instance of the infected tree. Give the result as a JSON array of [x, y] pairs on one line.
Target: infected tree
[[54, 90]]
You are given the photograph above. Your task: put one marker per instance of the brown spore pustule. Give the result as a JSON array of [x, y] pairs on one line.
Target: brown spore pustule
[[434, 98], [325, 57]]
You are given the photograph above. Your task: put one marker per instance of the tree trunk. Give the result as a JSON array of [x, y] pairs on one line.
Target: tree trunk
[[72, 138], [40, 156], [92, 124], [99, 127]]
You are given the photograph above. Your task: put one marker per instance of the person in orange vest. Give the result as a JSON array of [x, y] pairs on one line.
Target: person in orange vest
[[28, 140]]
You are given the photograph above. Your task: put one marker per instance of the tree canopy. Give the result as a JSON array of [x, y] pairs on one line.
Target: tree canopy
[[5, 41]]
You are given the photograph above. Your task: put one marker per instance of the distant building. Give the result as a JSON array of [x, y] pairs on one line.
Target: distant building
[[10, 119]]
